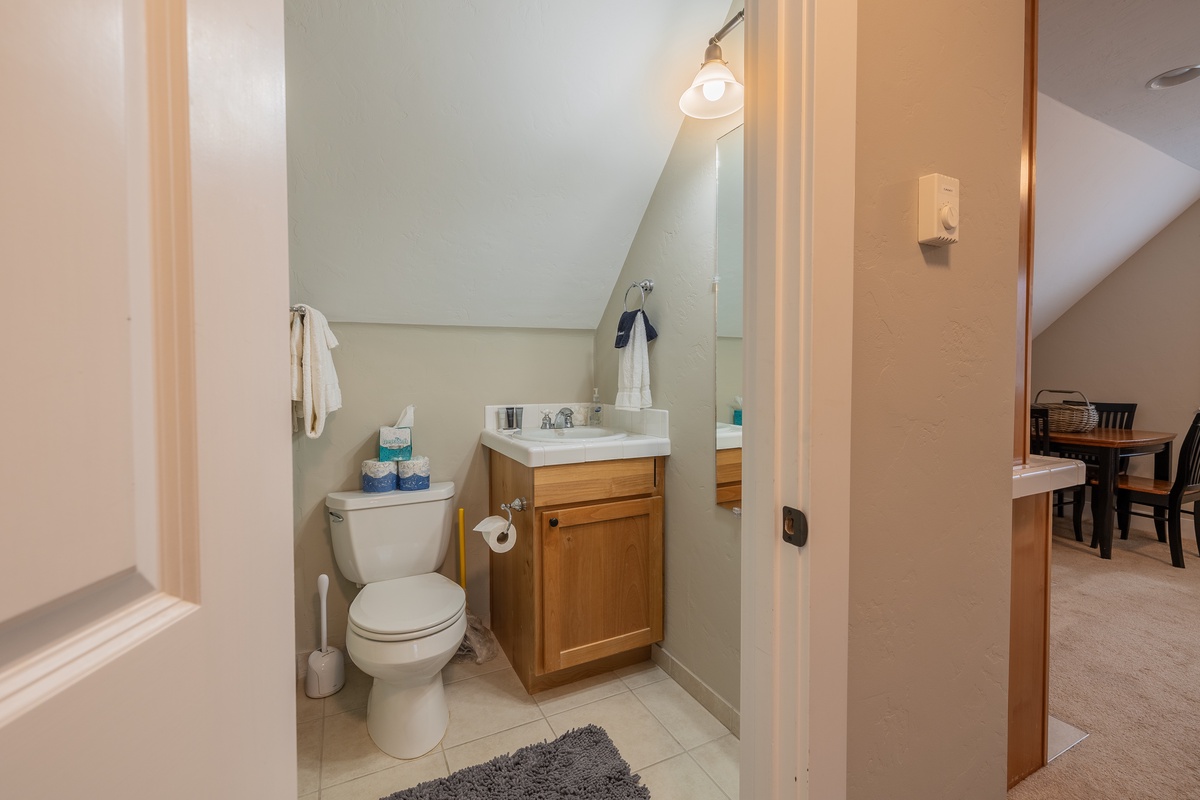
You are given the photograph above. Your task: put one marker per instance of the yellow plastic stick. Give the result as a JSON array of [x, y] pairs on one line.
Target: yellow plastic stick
[[462, 551]]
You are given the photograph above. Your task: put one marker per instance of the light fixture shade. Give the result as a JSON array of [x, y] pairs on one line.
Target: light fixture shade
[[694, 103]]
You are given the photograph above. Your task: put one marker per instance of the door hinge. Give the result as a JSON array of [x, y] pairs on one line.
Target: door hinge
[[795, 526]]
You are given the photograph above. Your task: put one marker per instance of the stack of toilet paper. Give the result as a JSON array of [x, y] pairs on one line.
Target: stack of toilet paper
[[388, 476], [396, 467]]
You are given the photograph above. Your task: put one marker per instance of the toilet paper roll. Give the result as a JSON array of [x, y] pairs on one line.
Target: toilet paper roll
[[498, 533], [413, 474], [378, 476]]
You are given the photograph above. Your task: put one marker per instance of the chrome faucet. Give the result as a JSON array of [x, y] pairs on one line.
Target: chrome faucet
[[563, 418], [547, 422]]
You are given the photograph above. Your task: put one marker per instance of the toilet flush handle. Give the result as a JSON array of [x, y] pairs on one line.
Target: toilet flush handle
[[336, 517]]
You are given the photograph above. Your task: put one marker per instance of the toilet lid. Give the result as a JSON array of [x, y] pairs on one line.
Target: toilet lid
[[407, 607]]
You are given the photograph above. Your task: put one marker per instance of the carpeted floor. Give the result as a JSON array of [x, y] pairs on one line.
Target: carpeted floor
[[1125, 667], [582, 763]]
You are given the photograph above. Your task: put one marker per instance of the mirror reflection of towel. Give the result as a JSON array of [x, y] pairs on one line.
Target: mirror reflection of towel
[[625, 327], [633, 369]]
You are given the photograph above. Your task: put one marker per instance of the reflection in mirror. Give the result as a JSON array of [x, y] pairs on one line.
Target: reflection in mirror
[[729, 319]]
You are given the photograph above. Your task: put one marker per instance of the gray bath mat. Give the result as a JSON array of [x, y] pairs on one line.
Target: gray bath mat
[[582, 763]]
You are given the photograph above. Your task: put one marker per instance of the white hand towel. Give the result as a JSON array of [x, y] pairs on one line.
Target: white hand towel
[[318, 390], [633, 370], [297, 349]]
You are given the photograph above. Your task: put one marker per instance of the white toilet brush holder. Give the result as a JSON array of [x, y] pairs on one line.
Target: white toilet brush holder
[[326, 667]]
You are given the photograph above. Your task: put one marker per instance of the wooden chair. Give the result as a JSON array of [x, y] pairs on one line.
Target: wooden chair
[[1168, 496], [1108, 415]]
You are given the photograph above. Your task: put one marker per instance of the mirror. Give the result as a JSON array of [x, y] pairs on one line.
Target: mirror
[[729, 318]]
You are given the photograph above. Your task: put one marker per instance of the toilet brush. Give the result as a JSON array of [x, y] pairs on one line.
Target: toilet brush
[[326, 669]]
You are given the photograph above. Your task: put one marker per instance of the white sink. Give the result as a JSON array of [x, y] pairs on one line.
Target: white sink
[[728, 436], [581, 435]]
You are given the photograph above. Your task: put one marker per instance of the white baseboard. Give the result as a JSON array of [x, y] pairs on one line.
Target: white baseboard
[[716, 705]]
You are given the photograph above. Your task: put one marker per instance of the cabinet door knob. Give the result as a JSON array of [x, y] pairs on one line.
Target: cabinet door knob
[[554, 522]]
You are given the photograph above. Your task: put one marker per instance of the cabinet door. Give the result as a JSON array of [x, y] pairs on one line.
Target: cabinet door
[[602, 580]]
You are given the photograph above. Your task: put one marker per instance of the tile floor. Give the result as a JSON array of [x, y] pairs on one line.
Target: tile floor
[[679, 749]]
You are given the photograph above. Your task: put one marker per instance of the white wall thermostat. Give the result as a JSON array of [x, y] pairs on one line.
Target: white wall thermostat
[[937, 210]]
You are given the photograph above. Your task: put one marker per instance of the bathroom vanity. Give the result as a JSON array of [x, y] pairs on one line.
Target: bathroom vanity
[[581, 591], [729, 465]]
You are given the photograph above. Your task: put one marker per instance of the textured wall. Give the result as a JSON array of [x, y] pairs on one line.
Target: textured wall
[[675, 247], [931, 410], [450, 374], [1135, 338]]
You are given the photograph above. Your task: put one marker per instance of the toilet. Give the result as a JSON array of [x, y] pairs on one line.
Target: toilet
[[408, 620]]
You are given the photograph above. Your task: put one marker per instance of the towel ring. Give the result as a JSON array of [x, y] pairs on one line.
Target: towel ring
[[645, 286]]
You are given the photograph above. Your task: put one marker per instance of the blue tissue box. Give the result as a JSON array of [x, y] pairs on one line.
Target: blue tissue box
[[395, 444], [737, 416]]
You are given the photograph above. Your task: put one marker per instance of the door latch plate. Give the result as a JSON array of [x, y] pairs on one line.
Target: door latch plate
[[795, 526]]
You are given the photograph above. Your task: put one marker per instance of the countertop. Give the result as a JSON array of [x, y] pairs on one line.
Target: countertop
[[1045, 474], [542, 454]]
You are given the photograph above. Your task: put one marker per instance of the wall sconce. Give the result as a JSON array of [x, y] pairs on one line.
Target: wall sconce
[[715, 92]]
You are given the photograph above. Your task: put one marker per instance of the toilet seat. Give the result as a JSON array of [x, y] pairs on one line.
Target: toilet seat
[[401, 609]]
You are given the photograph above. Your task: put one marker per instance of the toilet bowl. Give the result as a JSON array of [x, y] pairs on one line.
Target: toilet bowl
[[408, 620], [402, 632]]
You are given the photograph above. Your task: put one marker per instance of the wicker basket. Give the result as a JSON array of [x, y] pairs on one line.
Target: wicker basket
[[1068, 418]]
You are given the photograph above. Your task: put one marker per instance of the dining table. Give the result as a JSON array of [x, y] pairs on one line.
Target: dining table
[[1104, 448]]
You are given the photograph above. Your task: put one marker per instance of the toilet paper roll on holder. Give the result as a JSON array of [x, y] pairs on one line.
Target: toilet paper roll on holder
[[516, 505]]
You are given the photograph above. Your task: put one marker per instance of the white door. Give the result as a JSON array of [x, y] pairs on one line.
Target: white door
[[145, 577], [800, 125]]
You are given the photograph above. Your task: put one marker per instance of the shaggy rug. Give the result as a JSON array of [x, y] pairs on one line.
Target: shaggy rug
[[582, 763]]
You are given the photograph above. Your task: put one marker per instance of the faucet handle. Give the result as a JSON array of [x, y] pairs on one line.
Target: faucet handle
[[547, 420]]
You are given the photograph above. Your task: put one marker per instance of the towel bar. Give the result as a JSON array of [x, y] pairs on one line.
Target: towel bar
[[646, 286]]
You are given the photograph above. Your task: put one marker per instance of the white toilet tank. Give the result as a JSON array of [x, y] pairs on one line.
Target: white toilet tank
[[378, 536]]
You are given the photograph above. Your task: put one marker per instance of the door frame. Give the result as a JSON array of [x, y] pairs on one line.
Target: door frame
[[799, 267]]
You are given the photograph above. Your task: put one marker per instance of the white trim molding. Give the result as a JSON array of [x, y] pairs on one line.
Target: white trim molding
[[800, 134]]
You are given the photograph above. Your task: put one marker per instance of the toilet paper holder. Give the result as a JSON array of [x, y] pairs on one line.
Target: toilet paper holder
[[516, 505]]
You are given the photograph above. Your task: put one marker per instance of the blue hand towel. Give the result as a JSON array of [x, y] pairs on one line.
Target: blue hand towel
[[625, 327]]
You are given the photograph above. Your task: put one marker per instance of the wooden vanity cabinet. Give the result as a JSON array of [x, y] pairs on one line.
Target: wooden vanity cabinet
[[582, 590], [729, 477]]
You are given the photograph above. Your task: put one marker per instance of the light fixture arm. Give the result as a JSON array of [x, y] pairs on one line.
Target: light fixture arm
[[728, 26]]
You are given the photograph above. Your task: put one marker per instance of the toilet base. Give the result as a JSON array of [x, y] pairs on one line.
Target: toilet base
[[407, 721]]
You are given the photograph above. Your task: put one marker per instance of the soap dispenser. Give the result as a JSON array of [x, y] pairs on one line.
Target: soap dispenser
[[596, 409]]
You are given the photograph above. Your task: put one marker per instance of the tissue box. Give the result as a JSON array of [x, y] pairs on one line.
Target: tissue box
[[737, 416], [395, 444]]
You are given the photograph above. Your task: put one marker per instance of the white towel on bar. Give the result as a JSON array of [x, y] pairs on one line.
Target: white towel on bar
[[315, 390], [633, 369]]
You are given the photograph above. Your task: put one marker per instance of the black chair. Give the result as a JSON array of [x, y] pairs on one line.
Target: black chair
[[1039, 431], [1167, 496], [1108, 415]]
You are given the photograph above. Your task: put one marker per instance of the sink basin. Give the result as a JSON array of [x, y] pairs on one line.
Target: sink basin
[[570, 435], [728, 436]]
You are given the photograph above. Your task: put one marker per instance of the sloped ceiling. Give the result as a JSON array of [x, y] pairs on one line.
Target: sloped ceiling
[[1116, 162], [487, 164], [1101, 195]]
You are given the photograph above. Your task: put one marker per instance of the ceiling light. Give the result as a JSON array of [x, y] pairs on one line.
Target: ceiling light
[[1174, 77], [715, 92]]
